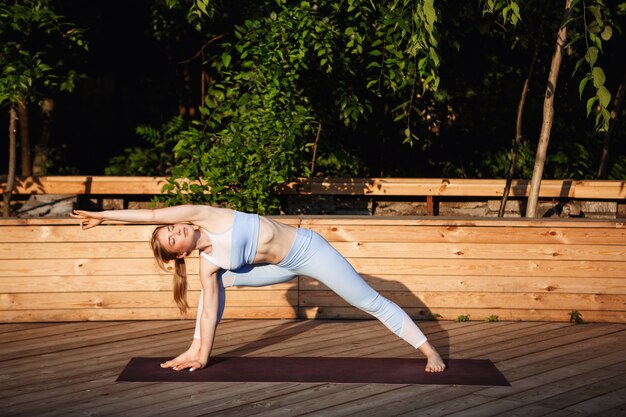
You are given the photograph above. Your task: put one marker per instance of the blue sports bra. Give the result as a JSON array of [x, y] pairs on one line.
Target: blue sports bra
[[236, 246]]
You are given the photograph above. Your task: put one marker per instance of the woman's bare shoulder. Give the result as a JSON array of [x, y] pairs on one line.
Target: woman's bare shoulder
[[214, 219]]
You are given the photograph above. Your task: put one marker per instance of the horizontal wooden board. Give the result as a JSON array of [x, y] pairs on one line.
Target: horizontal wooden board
[[165, 313], [61, 250], [461, 234], [144, 299], [458, 187], [87, 185], [471, 267], [453, 267], [432, 300], [458, 222], [72, 250], [454, 187], [493, 284], [480, 314], [480, 251], [73, 234], [121, 283], [112, 283]]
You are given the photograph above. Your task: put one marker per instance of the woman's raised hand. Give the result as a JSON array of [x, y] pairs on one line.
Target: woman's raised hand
[[88, 219]]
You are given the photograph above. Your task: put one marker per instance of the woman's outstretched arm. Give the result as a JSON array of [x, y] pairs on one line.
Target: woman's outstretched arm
[[168, 215]]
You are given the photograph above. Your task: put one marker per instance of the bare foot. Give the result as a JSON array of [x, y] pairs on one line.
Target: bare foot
[[434, 363]]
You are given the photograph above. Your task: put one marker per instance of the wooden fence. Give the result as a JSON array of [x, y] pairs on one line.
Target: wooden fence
[[434, 187], [603, 199], [515, 269]]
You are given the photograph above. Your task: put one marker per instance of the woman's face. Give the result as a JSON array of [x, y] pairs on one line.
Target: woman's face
[[177, 238]]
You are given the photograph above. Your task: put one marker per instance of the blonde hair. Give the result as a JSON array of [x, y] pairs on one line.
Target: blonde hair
[[163, 257]]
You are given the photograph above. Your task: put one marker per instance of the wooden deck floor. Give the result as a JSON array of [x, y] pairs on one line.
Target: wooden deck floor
[[69, 369]]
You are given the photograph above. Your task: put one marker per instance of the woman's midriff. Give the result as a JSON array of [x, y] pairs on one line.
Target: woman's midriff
[[275, 241]]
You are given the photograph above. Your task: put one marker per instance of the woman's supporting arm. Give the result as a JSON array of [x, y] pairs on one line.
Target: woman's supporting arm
[[197, 356], [209, 316]]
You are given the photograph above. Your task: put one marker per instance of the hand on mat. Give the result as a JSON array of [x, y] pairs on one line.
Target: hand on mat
[[191, 365], [88, 219], [187, 359]]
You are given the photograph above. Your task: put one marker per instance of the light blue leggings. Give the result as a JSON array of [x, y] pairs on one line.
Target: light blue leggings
[[313, 256]]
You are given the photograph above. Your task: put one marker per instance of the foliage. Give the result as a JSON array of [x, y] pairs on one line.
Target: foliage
[[31, 32], [508, 9], [258, 119], [156, 160], [575, 317], [367, 72], [462, 318], [491, 319], [598, 28], [435, 316]]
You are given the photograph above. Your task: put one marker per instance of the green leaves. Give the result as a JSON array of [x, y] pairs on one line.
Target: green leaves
[[259, 119], [32, 71], [597, 29], [508, 9]]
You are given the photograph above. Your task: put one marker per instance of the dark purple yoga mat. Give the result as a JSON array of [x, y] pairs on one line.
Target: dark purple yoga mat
[[337, 370]]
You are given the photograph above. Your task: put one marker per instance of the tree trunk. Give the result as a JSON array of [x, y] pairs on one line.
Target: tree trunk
[[548, 115], [617, 106], [518, 122], [40, 163], [22, 110], [6, 198]]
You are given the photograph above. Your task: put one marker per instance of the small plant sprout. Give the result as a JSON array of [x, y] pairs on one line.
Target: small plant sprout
[[491, 318], [575, 317], [463, 317], [435, 316]]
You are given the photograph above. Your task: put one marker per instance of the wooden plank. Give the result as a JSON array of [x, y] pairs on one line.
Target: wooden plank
[[112, 283], [456, 187], [73, 233], [63, 250], [479, 251], [144, 299], [452, 223], [452, 267], [68, 250], [457, 234], [163, 282], [494, 301], [550, 284], [87, 185], [469, 267], [161, 313], [480, 314]]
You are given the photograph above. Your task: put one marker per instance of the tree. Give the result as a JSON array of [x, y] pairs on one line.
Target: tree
[[548, 114], [259, 118], [594, 33], [29, 69]]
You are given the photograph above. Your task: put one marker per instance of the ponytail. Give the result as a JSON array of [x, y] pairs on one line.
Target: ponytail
[[180, 271], [180, 285]]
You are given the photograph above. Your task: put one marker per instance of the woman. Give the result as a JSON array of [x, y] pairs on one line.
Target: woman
[[240, 249]]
